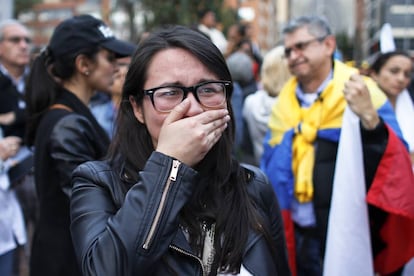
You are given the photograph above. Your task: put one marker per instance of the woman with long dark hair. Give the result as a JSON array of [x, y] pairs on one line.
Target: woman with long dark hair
[[170, 199], [79, 60]]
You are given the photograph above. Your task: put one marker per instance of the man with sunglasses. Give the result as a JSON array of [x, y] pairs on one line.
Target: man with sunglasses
[[300, 153]]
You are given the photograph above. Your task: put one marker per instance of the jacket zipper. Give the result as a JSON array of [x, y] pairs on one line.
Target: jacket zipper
[[161, 206], [189, 255]]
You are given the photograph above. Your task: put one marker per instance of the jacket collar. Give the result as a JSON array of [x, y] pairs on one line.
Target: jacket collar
[[128, 173], [73, 102], [181, 242]]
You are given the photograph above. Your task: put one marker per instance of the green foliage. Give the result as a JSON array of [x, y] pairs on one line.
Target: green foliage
[[182, 12], [23, 5], [345, 45], [227, 17]]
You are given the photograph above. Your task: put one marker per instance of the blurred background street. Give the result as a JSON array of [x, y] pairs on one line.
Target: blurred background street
[[356, 23]]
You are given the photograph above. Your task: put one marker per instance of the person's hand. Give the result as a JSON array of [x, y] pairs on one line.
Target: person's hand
[[9, 146], [359, 100], [189, 139], [7, 118]]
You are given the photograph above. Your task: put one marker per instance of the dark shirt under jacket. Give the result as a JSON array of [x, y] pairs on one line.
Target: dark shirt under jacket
[[9, 101]]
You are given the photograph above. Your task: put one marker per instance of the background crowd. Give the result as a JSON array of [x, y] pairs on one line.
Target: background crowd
[[289, 109]]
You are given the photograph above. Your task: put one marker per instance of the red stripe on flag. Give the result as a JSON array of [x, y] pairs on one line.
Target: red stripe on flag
[[290, 240], [392, 191], [398, 233]]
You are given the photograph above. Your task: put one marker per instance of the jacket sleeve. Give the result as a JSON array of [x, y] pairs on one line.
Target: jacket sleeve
[[374, 143], [269, 203], [131, 238], [72, 142]]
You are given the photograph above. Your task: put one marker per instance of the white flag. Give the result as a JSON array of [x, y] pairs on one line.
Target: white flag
[[348, 245], [387, 43]]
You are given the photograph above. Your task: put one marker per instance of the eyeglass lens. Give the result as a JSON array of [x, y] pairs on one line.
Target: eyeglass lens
[[209, 95], [300, 46]]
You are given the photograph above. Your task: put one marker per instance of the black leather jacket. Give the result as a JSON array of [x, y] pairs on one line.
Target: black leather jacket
[[123, 227], [65, 138]]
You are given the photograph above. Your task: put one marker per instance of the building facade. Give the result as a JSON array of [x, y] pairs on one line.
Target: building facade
[[44, 17], [358, 20]]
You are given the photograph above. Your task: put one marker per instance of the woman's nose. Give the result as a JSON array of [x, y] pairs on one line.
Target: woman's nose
[[195, 107]]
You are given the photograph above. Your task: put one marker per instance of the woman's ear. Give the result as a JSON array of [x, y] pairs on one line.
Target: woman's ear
[[138, 112], [83, 65]]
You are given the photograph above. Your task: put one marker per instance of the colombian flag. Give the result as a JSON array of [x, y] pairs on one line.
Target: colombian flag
[[348, 247], [289, 157]]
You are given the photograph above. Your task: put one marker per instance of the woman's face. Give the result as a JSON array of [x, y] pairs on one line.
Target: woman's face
[[394, 76], [119, 76], [102, 71], [173, 66]]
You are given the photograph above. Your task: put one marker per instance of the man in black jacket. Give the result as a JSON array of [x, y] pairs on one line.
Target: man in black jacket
[[15, 46], [15, 50]]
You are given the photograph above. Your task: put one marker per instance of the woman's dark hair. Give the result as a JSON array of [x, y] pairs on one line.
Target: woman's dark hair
[[42, 87], [221, 195], [130, 131], [383, 58]]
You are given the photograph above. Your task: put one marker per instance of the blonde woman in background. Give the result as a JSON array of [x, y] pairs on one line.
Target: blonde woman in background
[[257, 106]]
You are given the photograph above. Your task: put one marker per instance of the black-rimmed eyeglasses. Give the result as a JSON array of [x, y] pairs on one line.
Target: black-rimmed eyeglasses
[[208, 94], [300, 46]]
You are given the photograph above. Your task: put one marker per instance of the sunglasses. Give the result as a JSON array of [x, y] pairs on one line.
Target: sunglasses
[[300, 46], [18, 39]]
